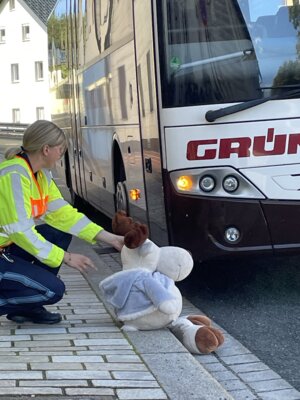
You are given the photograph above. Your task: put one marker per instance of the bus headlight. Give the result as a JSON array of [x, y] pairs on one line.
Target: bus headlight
[[207, 183], [230, 183]]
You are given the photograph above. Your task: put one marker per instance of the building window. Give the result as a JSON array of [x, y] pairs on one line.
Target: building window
[[25, 32], [39, 71], [16, 115], [15, 73], [40, 113], [2, 35], [12, 5]]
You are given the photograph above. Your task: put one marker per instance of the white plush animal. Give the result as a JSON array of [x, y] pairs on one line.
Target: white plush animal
[[144, 296]]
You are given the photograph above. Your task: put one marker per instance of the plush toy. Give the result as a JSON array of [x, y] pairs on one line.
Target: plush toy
[[144, 296]]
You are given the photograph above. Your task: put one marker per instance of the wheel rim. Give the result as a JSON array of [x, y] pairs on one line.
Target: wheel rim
[[121, 197]]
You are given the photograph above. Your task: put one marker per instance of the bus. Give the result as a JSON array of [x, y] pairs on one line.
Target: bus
[[185, 114]]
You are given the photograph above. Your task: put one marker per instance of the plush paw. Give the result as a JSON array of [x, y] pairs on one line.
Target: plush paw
[[168, 307], [208, 339], [218, 334], [199, 320]]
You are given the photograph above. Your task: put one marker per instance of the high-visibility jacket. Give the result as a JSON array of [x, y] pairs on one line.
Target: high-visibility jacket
[[24, 197]]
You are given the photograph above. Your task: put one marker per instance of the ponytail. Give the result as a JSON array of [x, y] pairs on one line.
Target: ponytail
[[12, 152]]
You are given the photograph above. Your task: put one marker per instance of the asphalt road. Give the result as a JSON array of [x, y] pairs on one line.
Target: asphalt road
[[256, 300]]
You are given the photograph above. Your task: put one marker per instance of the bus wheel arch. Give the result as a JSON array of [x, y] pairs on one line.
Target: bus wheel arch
[[121, 196]]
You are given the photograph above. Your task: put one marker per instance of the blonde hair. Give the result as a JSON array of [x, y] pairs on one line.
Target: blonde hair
[[36, 136]]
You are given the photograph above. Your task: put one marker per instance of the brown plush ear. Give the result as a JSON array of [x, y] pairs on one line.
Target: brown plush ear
[[136, 236], [121, 223]]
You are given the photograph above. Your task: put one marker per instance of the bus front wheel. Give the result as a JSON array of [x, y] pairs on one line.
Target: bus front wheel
[[121, 197]]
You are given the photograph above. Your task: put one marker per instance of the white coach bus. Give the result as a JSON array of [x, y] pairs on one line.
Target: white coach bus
[[186, 114]]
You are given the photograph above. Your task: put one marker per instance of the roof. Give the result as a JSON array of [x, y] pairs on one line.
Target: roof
[[41, 8]]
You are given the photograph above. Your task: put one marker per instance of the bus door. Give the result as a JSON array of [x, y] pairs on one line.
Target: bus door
[[75, 151], [143, 26]]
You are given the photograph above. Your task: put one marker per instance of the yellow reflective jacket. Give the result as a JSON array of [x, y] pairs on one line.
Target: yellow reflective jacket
[[24, 197]]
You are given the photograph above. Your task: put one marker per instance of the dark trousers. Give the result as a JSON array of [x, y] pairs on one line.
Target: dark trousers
[[27, 283]]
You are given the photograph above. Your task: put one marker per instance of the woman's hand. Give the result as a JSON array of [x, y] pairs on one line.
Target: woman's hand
[[79, 262], [113, 240]]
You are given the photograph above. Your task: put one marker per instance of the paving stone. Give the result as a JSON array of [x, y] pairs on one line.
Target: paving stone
[[32, 391], [249, 367], [12, 366], [77, 359], [144, 394], [5, 344], [124, 383], [123, 358], [239, 359], [116, 367], [34, 355], [243, 395], [20, 375], [269, 385], [258, 376], [14, 338], [91, 329], [222, 376], [8, 383], [64, 336], [105, 342], [142, 376], [206, 359], [215, 367], [286, 394], [55, 383], [101, 335], [234, 384], [106, 352], [41, 331], [45, 343], [90, 392], [78, 374], [55, 366]]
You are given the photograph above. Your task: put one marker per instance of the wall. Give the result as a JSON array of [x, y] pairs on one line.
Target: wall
[[28, 94]]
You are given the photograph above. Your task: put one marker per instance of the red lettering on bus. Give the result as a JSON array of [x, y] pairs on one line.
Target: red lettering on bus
[[192, 152], [294, 142], [259, 143], [245, 146], [242, 149]]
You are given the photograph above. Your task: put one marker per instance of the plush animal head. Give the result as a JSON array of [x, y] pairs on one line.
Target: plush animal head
[[175, 262], [140, 252], [135, 233]]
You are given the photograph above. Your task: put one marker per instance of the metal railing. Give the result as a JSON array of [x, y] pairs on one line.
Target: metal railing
[[12, 127]]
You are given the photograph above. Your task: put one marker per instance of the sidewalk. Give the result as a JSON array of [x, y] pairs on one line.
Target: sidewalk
[[87, 356]]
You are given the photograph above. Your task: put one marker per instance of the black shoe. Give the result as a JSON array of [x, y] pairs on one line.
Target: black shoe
[[37, 316]]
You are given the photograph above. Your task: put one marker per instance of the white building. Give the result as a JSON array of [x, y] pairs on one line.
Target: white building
[[24, 86]]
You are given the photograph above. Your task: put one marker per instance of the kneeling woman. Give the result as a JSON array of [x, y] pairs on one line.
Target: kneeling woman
[[30, 254]]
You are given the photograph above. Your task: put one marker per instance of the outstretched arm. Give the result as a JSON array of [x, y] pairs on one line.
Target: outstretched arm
[[115, 241]]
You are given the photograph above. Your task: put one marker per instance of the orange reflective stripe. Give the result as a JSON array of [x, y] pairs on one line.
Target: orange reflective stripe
[[39, 206]]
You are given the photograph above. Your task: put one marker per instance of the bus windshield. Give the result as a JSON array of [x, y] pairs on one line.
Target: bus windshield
[[224, 51]]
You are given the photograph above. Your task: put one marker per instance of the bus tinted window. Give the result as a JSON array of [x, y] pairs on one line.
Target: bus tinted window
[[225, 51]]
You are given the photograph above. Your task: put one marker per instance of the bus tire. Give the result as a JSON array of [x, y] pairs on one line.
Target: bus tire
[[121, 198]]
